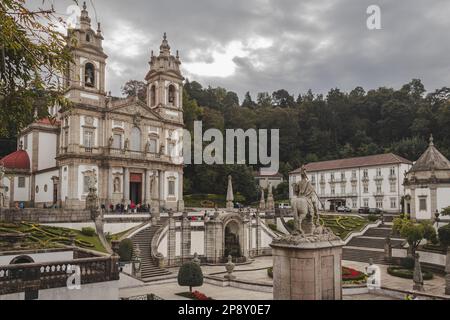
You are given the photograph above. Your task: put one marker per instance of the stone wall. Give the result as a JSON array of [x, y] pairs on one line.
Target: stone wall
[[44, 215]]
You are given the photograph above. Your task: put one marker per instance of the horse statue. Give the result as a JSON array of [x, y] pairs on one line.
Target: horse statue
[[303, 206]]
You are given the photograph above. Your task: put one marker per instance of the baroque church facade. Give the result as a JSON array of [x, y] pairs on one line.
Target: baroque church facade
[[131, 148]]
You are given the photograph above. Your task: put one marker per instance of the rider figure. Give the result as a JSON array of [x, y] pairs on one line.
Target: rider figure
[[306, 190]]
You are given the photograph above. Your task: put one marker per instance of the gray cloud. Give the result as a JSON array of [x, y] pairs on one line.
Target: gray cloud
[[313, 44]]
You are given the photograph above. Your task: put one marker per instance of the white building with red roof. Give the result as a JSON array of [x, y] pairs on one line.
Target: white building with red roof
[[371, 181]]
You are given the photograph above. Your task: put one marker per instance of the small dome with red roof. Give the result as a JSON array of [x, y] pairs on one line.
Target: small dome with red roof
[[18, 160]]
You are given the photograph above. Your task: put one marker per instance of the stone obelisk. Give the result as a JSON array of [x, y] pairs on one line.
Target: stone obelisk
[[262, 202], [230, 196], [270, 200]]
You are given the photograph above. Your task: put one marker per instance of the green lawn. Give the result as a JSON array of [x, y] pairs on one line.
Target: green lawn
[[40, 236]]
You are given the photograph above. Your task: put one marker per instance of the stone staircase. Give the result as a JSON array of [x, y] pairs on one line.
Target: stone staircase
[[143, 239], [370, 245]]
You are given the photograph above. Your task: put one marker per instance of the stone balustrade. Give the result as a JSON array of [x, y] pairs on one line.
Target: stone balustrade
[[18, 277]]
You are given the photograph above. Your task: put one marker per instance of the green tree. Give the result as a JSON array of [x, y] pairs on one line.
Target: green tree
[[248, 101], [33, 59], [415, 232], [190, 274], [135, 88]]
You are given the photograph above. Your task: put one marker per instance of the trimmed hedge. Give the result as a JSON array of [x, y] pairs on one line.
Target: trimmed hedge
[[191, 275], [404, 273], [126, 250], [444, 235], [88, 231]]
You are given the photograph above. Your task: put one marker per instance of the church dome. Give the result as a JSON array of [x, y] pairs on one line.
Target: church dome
[[431, 160], [17, 160]]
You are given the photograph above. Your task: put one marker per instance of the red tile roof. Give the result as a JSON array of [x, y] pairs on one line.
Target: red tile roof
[[47, 121], [375, 160], [17, 160]]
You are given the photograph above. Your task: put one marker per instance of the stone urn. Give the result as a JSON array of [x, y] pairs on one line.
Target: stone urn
[[229, 266], [196, 259]]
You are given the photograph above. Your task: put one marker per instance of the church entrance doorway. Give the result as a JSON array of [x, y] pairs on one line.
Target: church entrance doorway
[[135, 188], [232, 246]]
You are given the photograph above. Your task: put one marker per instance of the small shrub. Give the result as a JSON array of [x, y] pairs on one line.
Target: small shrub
[[290, 224], [88, 231], [270, 272], [126, 250], [407, 262], [191, 275], [372, 217], [272, 226], [444, 235]]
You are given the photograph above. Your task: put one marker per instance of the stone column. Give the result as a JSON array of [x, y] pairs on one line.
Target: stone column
[[307, 268], [250, 237], [161, 188], [171, 244], [413, 202], [433, 200], [145, 187], [110, 186], [185, 237], [126, 185], [447, 272], [213, 240], [180, 191], [258, 234]]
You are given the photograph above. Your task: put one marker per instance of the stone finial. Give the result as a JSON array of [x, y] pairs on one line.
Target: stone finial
[[229, 266], [431, 140], [270, 199], [84, 5], [99, 29], [196, 259], [262, 202]]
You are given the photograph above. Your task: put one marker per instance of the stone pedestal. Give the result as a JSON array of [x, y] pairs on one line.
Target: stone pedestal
[[307, 268]]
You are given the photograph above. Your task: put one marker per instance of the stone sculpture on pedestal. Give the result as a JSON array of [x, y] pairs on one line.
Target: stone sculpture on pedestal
[[307, 262], [262, 202], [418, 276], [270, 200]]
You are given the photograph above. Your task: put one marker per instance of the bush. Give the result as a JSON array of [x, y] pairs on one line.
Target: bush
[[372, 217], [407, 273], [407, 262], [272, 226], [270, 272], [191, 275], [444, 235], [88, 231], [126, 250], [290, 225]]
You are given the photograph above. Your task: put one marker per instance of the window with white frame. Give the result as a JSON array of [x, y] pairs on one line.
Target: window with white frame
[[85, 184], [171, 187], [422, 203], [152, 146], [117, 141], [332, 190], [322, 190], [378, 172], [392, 171], [354, 190], [353, 173], [88, 138], [365, 173], [332, 176], [392, 187], [21, 182], [354, 203], [366, 188], [342, 175], [393, 203], [379, 203], [379, 188], [366, 202]]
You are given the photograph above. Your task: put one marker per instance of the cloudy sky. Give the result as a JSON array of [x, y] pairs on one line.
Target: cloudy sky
[[264, 45]]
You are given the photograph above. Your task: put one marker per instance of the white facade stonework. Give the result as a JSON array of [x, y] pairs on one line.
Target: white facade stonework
[[129, 145], [427, 185], [372, 181]]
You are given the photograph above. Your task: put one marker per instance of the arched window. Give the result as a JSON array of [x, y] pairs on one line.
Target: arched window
[[89, 77], [135, 139], [172, 94], [153, 96]]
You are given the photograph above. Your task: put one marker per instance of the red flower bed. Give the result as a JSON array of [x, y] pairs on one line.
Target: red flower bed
[[349, 274], [200, 296]]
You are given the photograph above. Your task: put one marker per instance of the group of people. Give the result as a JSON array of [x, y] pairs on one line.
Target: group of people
[[128, 208]]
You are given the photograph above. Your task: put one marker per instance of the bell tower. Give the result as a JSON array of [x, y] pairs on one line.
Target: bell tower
[[85, 77], [165, 83]]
